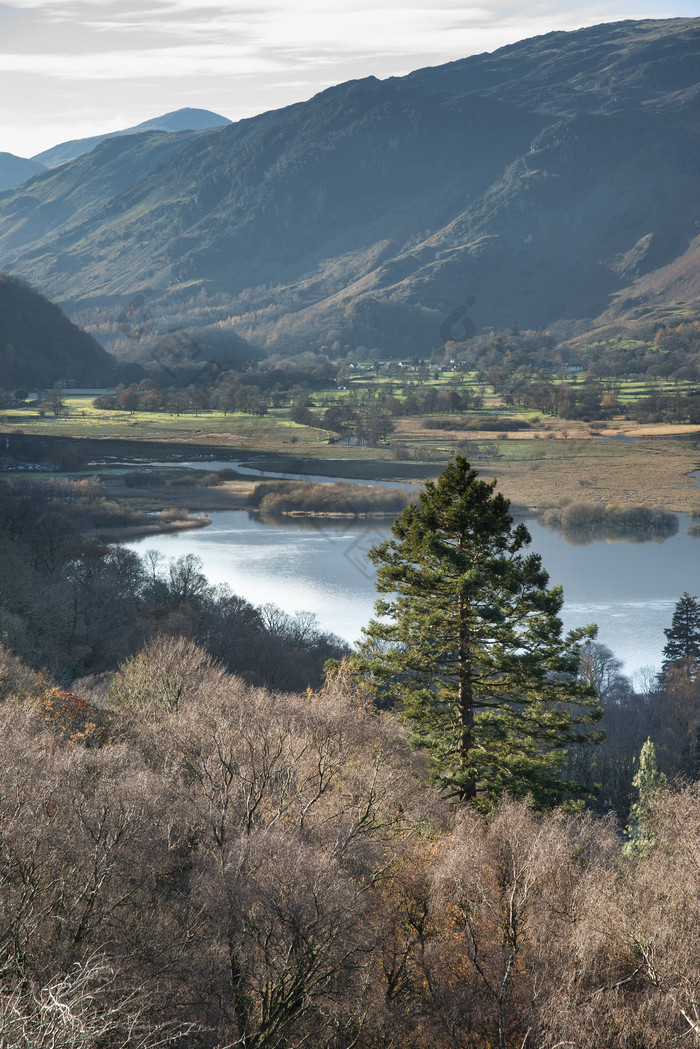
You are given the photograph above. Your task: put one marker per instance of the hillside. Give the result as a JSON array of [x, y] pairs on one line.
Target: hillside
[[39, 345], [179, 120], [14, 170], [56, 201], [555, 179]]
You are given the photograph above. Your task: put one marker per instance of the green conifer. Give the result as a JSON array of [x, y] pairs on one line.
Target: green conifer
[[683, 636], [469, 643], [648, 779]]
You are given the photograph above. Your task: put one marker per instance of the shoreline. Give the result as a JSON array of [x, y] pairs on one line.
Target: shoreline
[[331, 515], [115, 534], [659, 473]]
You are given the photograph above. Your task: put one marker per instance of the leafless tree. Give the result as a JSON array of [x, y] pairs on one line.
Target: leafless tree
[[510, 890], [161, 678], [633, 977], [84, 1007]]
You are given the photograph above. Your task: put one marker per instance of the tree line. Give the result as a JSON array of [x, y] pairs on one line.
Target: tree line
[[77, 606]]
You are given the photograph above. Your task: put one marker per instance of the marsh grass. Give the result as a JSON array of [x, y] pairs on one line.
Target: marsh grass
[[279, 498], [583, 523]]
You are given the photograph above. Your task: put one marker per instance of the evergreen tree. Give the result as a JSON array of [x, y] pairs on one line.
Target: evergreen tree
[[648, 780], [683, 636], [470, 644]]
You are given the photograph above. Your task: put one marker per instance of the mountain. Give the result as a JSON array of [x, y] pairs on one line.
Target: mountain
[[553, 179], [59, 199], [608, 68], [39, 345], [14, 170], [186, 119]]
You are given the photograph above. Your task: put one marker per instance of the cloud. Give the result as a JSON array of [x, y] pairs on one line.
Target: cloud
[[238, 57], [150, 63], [110, 38], [312, 27]]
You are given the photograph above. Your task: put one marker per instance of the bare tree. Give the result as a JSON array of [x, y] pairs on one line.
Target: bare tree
[[84, 1007], [599, 667], [53, 401], [162, 677], [510, 893]]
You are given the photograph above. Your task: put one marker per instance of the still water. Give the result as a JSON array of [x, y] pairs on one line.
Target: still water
[[628, 589]]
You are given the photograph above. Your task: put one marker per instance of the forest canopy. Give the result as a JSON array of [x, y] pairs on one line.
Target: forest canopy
[[221, 865]]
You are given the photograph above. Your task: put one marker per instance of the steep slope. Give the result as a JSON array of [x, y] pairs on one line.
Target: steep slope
[[671, 293], [179, 120], [537, 183], [39, 345], [55, 201], [606, 68], [552, 238], [359, 170], [15, 170]]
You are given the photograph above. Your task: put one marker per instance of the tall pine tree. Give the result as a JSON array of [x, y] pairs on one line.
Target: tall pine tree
[[469, 643], [683, 636]]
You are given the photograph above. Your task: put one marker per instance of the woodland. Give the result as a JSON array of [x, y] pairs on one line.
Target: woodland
[[209, 841]]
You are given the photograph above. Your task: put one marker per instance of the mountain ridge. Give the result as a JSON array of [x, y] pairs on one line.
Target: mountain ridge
[[364, 216], [14, 170], [523, 71], [185, 119]]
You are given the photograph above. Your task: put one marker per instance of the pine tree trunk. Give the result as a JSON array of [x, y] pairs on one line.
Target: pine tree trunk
[[465, 702]]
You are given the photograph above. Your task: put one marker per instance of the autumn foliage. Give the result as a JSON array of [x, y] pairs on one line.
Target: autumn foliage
[[73, 717]]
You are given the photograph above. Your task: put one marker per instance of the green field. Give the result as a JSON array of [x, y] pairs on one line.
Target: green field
[[552, 458]]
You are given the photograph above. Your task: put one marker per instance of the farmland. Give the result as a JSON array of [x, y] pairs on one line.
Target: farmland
[[540, 458]]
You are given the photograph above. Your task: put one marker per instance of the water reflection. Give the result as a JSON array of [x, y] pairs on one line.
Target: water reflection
[[309, 564], [321, 566], [584, 523]]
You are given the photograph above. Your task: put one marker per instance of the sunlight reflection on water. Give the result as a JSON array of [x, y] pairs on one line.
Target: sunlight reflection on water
[[628, 589]]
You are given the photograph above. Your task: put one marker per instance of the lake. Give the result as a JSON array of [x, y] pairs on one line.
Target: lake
[[320, 565]]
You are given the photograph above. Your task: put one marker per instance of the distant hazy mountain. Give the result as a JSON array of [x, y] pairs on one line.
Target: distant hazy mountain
[[179, 120], [553, 179], [14, 170], [39, 345]]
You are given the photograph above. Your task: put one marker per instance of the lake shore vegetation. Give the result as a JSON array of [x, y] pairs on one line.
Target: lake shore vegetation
[[582, 523], [304, 498], [72, 604]]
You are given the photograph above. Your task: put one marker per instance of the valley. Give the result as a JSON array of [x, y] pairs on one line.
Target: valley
[[541, 461], [349, 522]]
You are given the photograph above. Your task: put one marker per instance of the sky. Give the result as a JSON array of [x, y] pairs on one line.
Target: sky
[[74, 68]]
